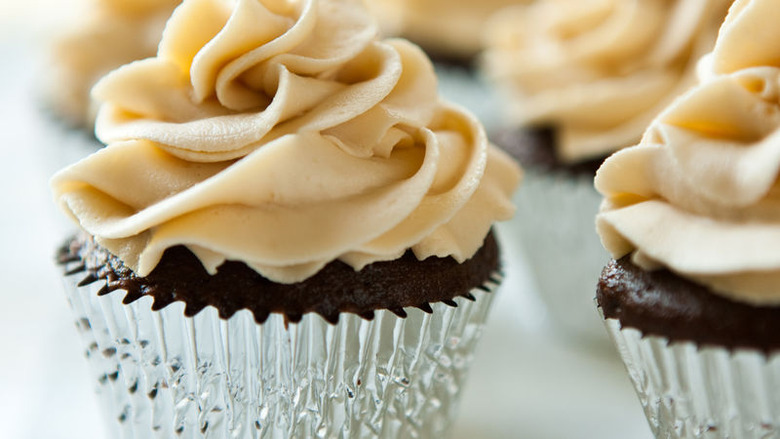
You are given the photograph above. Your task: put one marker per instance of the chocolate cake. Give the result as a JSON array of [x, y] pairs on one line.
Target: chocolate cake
[[664, 304], [337, 288]]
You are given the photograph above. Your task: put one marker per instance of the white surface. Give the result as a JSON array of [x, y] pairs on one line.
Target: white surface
[[525, 383]]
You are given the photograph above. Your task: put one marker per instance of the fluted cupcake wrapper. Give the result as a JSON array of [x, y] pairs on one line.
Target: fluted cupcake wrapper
[[161, 374], [709, 392], [555, 229]]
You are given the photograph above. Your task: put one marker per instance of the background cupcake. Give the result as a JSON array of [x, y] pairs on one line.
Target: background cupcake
[[581, 80], [269, 145], [693, 303], [106, 35], [449, 31]]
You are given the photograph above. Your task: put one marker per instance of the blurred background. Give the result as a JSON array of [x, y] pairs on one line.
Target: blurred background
[[528, 381]]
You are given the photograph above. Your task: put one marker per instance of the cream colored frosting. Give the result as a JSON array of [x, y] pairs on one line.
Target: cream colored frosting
[[448, 27], [110, 33], [700, 193], [285, 135], [597, 70]]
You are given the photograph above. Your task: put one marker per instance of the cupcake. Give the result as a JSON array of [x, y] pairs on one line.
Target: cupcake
[[288, 233], [109, 34], [581, 80], [690, 214], [449, 30]]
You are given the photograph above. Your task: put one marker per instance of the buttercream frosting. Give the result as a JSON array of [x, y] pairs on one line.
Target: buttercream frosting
[[284, 134], [108, 34], [448, 27], [598, 71], [700, 193]]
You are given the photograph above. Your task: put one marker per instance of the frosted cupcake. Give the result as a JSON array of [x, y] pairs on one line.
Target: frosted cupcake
[[111, 33], [288, 233], [691, 215], [449, 30], [583, 79]]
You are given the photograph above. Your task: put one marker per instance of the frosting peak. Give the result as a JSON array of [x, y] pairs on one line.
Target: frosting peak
[[222, 85], [285, 135], [598, 70], [707, 169]]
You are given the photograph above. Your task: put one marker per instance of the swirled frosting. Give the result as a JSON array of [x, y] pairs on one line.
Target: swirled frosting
[[598, 71], [284, 134], [109, 34], [700, 193], [451, 28]]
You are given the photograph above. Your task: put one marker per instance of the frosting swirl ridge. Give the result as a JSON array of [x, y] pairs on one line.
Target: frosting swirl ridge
[[707, 169], [284, 135]]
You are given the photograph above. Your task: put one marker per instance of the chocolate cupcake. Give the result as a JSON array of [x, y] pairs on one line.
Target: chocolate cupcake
[[690, 214], [109, 34], [288, 233], [582, 80]]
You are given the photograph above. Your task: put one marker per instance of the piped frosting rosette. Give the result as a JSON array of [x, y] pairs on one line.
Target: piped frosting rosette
[[108, 34], [700, 193], [284, 134], [599, 71]]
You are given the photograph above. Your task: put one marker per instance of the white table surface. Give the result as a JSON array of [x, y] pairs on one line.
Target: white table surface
[[525, 383]]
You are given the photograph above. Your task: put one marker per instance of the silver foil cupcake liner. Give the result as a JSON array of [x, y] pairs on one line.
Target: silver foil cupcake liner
[[555, 229], [160, 374], [689, 391]]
